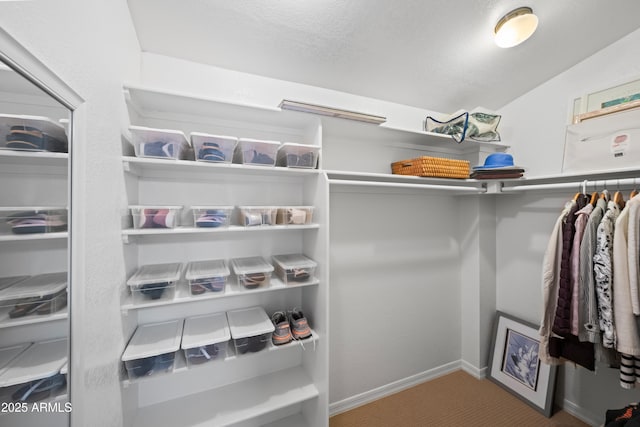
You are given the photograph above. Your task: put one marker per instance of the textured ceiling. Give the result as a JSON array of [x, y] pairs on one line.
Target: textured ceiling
[[436, 54]]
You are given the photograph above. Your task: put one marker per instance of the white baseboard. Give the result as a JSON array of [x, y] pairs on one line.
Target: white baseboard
[[581, 413], [478, 373], [405, 383], [391, 388]]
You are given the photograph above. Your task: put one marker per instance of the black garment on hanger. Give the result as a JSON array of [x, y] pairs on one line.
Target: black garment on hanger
[[562, 320]]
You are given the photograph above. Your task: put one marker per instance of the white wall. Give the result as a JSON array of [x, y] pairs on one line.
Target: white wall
[[92, 47], [535, 125]]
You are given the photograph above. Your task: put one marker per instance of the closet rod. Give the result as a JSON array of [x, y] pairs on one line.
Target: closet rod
[[604, 183], [407, 185]]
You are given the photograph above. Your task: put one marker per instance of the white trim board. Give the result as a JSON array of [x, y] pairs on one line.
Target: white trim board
[[361, 399], [391, 388]]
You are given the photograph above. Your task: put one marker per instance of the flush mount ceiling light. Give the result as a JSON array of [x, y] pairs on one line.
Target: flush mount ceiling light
[[515, 27]]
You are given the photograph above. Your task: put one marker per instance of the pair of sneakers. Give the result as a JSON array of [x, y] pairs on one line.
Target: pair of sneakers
[[289, 326]]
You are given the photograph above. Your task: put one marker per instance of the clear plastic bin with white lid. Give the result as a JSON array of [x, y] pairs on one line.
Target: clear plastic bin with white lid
[[258, 152], [32, 219], [40, 294], [34, 373], [213, 148], [154, 282], [293, 155], [32, 133], [212, 216], [209, 276], [5, 282], [159, 143], [294, 215], [205, 338], [152, 348], [250, 328], [252, 272], [251, 216], [294, 268], [155, 216]]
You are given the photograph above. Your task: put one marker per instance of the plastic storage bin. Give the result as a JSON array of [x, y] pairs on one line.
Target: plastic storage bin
[[34, 373], [205, 338], [154, 282], [294, 155], [294, 268], [152, 348], [206, 277], [155, 216], [32, 133], [256, 152], [32, 220], [251, 216], [250, 328], [5, 282], [212, 216], [158, 143], [252, 272], [36, 295], [294, 215], [213, 148]]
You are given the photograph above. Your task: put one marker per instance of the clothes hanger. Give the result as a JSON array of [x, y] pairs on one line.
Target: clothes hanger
[[582, 193], [618, 198], [634, 192], [594, 198]]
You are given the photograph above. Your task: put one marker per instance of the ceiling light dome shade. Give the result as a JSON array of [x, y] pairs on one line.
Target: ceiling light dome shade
[[515, 27]]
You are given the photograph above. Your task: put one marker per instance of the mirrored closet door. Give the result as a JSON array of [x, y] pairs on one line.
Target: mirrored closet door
[[34, 254]]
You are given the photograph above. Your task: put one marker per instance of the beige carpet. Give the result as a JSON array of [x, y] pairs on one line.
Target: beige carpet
[[456, 399]]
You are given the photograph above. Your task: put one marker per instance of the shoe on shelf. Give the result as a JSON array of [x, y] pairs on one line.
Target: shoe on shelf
[[299, 325], [282, 334]]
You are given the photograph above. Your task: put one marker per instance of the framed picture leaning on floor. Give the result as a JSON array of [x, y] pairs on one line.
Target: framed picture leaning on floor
[[515, 366]]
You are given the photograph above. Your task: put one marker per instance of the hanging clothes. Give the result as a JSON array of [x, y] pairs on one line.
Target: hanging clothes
[[582, 217], [550, 283], [627, 338], [603, 272], [589, 327], [562, 320]]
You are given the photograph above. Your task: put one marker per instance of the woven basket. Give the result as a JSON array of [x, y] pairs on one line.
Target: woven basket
[[433, 167]]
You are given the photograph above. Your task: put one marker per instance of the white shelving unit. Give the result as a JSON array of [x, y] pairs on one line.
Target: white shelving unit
[[276, 382], [32, 178]]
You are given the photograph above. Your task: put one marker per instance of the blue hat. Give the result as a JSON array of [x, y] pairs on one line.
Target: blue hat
[[497, 161]]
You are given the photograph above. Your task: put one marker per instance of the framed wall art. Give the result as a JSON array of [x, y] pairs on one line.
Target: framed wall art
[[515, 366]]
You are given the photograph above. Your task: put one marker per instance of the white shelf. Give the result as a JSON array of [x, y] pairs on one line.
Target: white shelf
[[7, 322], [150, 102], [296, 420], [595, 177], [34, 158], [232, 290], [348, 129], [180, 363], [382, 180], [235, 403], [204, 230], [35, 236], [167, 168]]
